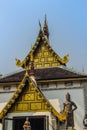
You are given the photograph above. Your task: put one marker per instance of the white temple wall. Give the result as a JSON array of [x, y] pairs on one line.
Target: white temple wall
[[76, 95]]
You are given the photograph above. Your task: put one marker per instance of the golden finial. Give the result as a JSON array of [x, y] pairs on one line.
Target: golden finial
[[40, 32], [39, 24], [26, 74], [45, 28], [45, 21]]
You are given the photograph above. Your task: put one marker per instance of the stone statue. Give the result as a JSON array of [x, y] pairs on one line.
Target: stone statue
[[69, 107], [26, 125], [85, 121]]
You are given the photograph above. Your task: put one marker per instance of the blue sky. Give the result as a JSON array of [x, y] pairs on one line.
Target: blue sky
[[67, 21]]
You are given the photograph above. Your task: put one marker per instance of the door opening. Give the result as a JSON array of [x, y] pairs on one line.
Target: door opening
[[36, 122]]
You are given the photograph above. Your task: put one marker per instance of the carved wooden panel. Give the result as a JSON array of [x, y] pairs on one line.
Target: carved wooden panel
[[44, 57], [31, 100], [36, 106], [22, 106], [29, 97]]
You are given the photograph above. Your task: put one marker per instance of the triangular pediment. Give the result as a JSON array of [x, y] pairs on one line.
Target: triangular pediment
[[43, 54], [29, 98]]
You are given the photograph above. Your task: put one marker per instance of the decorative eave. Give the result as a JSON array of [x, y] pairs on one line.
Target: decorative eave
[[27, 59], [14, 97], [43, 37], [20, 88]]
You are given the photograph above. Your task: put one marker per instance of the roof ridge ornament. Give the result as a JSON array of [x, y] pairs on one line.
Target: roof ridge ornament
[[40, 24], [41, 31], [45, 28], [26, 74]]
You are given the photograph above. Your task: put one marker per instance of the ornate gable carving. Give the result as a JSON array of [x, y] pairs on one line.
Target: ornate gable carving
[[31, 100], [45, 57], [43, 54]]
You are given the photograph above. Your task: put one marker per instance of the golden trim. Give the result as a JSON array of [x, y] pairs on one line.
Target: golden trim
[[12, 83], [45, 42], [41, 104], [14, 97], [59, 80]]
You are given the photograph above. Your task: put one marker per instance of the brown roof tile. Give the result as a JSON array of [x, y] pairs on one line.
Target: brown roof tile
[[45, 74]]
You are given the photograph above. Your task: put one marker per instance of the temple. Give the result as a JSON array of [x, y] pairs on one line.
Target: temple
[[37, 92]]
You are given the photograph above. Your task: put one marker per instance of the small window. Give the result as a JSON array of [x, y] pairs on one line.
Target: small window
[[45, 85], [68, 83], [7, 88]]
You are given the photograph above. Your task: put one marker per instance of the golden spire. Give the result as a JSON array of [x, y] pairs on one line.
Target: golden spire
[[45, 28], [40, 32]]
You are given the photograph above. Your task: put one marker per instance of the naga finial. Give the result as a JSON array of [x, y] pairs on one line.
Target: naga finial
[[39, 24], [45, 28]]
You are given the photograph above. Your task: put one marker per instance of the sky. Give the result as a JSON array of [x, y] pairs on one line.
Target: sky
[[67, 22]]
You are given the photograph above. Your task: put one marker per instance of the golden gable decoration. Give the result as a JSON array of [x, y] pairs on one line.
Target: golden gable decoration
[[42, 52], [29, 98]]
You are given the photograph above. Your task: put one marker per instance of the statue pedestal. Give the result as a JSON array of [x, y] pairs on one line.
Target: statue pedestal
[[85, 128]]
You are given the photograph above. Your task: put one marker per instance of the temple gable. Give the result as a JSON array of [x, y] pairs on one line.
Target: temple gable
[[29, 98], [43, 54]]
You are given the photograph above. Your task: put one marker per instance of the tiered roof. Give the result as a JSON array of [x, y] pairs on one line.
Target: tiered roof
[[47, 63], [46, 74]]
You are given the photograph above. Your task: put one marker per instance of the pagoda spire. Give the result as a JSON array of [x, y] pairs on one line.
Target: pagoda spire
[[45, 28]]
